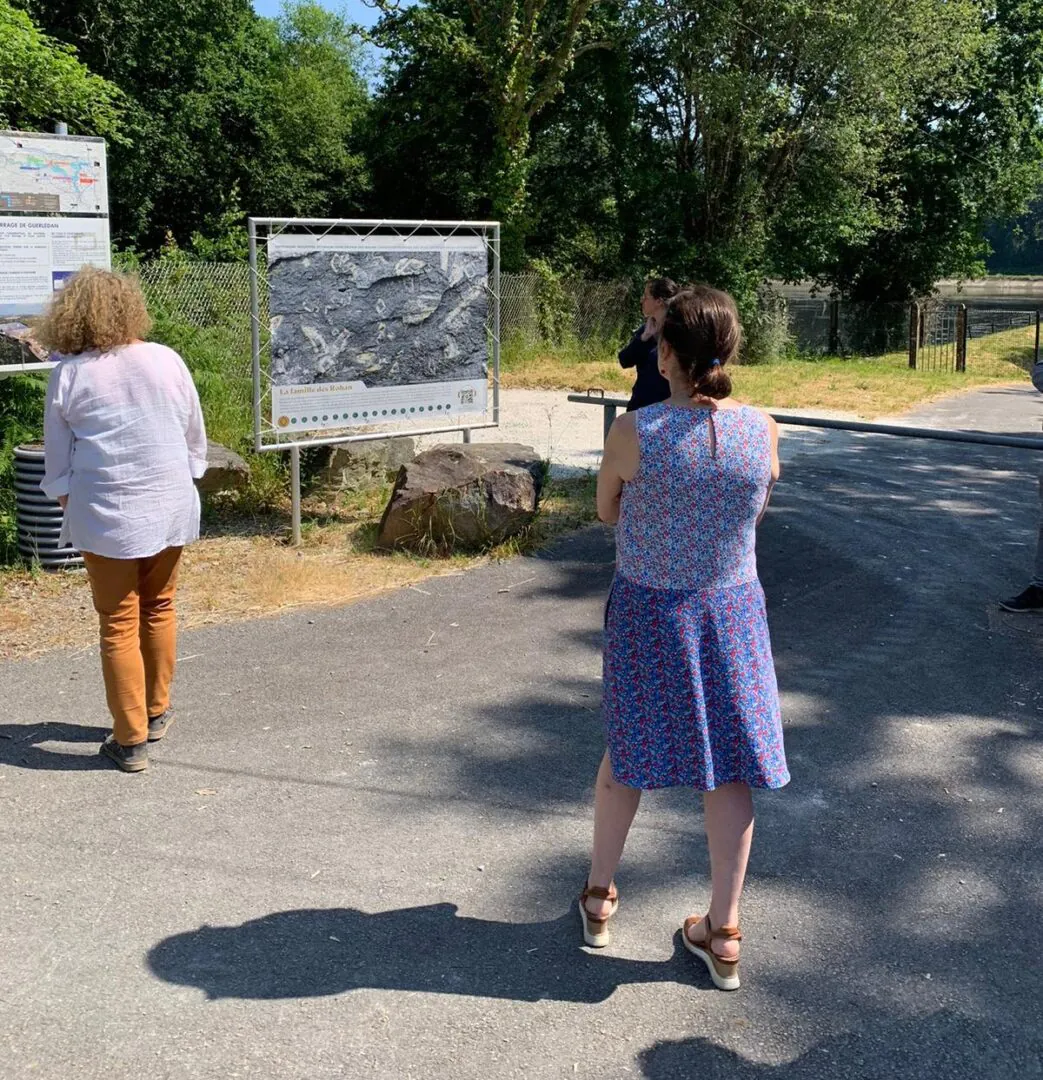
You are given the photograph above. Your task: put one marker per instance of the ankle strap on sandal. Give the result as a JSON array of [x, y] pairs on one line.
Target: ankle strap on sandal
[[598, 893], [722, 933]]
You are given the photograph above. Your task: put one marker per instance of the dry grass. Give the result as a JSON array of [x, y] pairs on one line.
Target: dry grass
[[253, 572], [881, 386]]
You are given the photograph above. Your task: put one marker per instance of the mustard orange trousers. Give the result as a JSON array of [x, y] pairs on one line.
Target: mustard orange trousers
[[134, 599]]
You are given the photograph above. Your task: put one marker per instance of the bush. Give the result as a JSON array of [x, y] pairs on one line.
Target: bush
[[766, 330], [21, 421], [220, 362]]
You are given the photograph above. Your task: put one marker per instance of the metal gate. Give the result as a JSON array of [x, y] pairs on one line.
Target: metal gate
[[1003, 334], [938, 336], [943, 336]]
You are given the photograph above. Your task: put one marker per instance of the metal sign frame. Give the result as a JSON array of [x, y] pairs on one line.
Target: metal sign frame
[[261, 231]]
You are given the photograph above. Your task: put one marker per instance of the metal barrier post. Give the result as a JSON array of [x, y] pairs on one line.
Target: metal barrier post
[[915, 323], [961, 338], [1036, 360], [610, 419], [295, 494]]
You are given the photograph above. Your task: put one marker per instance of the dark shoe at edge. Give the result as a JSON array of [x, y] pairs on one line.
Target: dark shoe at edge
[[157, 725], [1029, 600], [128, 758]]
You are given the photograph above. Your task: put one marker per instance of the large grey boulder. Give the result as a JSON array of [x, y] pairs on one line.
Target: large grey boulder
[[463, 498], [355, 466], [225, 470]]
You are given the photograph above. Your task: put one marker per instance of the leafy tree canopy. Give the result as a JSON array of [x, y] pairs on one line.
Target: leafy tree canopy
[[42, 81]]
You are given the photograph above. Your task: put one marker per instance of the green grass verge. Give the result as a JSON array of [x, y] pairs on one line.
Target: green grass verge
[[869, 387]]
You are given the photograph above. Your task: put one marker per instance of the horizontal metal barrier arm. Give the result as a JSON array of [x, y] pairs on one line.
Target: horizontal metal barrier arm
[[979, 438], [593, 399], [7, 370]]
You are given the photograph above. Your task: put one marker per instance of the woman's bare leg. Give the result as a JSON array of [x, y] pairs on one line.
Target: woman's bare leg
[[728, 814], [614, 807]]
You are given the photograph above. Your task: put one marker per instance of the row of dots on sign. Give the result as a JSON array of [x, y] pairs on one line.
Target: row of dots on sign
[[367, 415]]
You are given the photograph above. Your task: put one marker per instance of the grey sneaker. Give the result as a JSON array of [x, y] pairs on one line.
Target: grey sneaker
[[1029, 600], [128, 758], [157, 725]]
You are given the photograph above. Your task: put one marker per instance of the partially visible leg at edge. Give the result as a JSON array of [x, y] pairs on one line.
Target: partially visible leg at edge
[[1037, 574]]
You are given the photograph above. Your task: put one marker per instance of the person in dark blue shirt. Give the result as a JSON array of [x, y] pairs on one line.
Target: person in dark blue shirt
[[640, 353]]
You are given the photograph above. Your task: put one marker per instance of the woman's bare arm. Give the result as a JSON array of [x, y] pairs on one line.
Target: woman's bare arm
[[618, 465], [776, 465]]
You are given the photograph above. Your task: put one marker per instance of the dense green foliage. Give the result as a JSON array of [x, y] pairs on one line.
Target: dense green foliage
[[864, 146], [512, 58], [21, 420], [1018, 246], [228, 112], [41, 81]]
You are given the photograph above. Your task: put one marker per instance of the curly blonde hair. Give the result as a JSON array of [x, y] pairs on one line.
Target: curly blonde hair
[[97, 309]]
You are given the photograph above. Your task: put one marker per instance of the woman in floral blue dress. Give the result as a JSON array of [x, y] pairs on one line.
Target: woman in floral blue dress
[[690, 697]]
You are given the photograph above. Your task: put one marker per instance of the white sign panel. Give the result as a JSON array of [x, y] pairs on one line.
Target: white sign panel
[[377, 330], [51, 174], [330, 406], [38, 255]]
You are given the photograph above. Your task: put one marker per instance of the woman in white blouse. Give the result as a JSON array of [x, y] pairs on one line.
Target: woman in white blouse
[[124, 441]]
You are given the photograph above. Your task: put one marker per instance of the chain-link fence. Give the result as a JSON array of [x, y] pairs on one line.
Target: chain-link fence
[[207, 295], [199, 294], [216, 294], [843, 328], [984, 322]]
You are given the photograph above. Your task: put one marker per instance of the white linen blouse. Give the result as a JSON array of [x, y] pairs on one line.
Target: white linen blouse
[[124, 439]]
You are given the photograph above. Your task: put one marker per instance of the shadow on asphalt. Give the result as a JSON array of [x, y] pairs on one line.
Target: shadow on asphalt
[[908, 842], [313, 953], [23, 746], [940, 1046], [904, 856]]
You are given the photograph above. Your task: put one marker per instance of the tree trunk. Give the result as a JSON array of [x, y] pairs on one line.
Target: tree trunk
[[509, 194]]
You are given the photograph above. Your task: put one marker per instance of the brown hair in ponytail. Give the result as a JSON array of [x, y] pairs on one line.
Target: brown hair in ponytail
[[662, 289], [702, 327]]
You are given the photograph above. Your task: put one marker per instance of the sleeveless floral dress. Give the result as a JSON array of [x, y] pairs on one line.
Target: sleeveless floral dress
[[690, 697]]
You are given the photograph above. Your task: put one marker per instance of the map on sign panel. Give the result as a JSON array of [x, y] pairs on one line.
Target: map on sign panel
[[42, 174]]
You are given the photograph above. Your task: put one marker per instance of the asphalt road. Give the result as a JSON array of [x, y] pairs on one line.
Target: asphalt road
[[358, 850]]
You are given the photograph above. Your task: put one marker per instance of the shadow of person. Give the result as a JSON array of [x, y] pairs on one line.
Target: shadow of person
[[21, 745], [318, 952], [939, 1046]]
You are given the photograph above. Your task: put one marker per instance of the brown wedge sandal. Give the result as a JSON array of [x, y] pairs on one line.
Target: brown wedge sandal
[[725, 973], [595, 928]]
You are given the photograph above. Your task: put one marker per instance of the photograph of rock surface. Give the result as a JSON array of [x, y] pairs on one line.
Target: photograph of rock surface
[[383, 317]]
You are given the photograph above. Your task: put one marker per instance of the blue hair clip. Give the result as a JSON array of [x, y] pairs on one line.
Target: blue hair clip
[[715, 362]]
